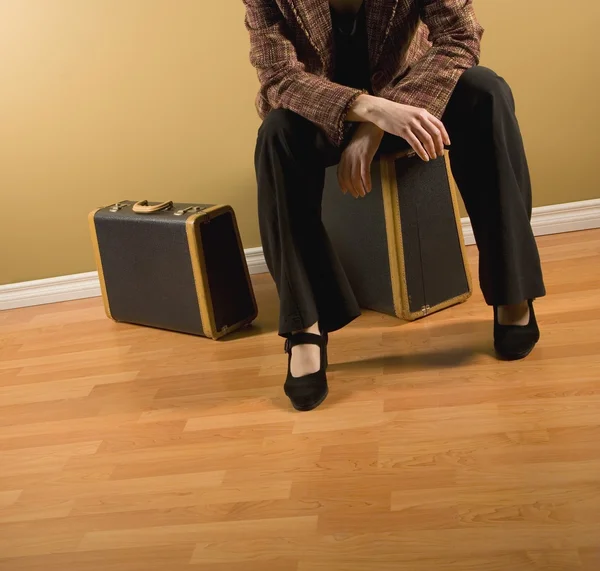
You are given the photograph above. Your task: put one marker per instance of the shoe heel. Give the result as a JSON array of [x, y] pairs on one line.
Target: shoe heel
[[309, 391]]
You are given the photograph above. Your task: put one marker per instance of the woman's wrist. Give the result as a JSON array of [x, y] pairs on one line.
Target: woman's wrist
[[365, 109], [368, 129]]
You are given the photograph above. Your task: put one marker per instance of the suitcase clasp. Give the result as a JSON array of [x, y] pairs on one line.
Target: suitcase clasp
[[189, 209], [425, 310], [116, 207]]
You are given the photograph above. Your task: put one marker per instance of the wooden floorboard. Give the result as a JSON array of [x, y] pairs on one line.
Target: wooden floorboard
[[125, 448]]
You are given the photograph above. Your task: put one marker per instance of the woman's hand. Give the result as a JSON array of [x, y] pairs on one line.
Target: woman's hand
[[425, 133], [354, 170]]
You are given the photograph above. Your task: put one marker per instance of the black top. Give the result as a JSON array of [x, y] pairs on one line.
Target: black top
[[351, 49]]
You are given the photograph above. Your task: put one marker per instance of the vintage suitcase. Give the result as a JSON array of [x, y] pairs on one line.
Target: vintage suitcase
[[402, 245], [173, 266]]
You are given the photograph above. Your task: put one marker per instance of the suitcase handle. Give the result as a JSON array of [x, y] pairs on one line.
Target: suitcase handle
[[142, 207]]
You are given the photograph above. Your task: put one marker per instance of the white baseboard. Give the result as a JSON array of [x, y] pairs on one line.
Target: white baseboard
[[584, 215], [51, 290], [555, 219], [256, 261]]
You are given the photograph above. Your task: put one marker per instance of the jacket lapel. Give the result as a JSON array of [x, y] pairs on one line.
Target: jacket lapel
[[380, 15], [315, 19]]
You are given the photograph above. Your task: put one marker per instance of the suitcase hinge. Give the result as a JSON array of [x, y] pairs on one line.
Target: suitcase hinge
[[426, 309]]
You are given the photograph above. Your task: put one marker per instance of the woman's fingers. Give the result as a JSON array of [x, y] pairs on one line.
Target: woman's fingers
[[414, 142], [436, 135], [354, 177], [351, 188], [343, 178], [442, 128], [426, 140], [349, 182], [357, 181], [365, 175]]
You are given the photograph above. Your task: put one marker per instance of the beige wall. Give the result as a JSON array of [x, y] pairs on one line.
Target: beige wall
[[103, 100]]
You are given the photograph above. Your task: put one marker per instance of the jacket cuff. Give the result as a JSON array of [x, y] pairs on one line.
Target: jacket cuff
[[343, 128]]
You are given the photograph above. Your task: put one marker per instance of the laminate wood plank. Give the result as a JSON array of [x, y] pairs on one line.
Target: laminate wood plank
[[293, 527], [151, 558], [194, 499], [405, 546], [43, 459], [590, 558], [9, 497], [122, 428], [519, 561], [59, 390]]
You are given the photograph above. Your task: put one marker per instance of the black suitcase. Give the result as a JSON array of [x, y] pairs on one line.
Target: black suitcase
[[402, 245], [173, 266]]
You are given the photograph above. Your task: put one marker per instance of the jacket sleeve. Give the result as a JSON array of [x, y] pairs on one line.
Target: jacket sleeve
[[455, 35], [285, 83]]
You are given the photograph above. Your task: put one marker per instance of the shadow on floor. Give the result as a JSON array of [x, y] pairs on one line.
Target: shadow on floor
[[466, 339], [434, 348]]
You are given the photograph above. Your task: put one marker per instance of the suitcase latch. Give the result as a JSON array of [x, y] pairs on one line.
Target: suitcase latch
[[189, 209], [426, 309], [116, 207]]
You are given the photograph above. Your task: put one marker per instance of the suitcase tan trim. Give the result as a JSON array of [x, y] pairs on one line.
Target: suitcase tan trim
[[392, 216], [254, 304], [394, 237], [201, 278], [396, 246], [98, 259], [454, 193]]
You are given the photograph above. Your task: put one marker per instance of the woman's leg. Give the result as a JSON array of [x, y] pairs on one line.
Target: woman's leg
[[490, 167], [291, 157]]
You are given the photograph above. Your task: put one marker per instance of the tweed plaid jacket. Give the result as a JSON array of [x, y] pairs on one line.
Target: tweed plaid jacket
[[418, 50]]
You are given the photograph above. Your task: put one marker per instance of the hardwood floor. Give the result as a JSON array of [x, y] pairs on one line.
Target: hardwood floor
[[130, 449]]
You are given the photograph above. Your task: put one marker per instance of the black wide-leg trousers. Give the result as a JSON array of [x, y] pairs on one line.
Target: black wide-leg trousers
[[490, 167]]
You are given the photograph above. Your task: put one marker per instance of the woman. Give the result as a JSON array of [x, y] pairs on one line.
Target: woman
[[344, 79]]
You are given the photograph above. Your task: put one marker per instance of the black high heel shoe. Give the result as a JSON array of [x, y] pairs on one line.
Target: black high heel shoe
[[513, 342], [309, 391]]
